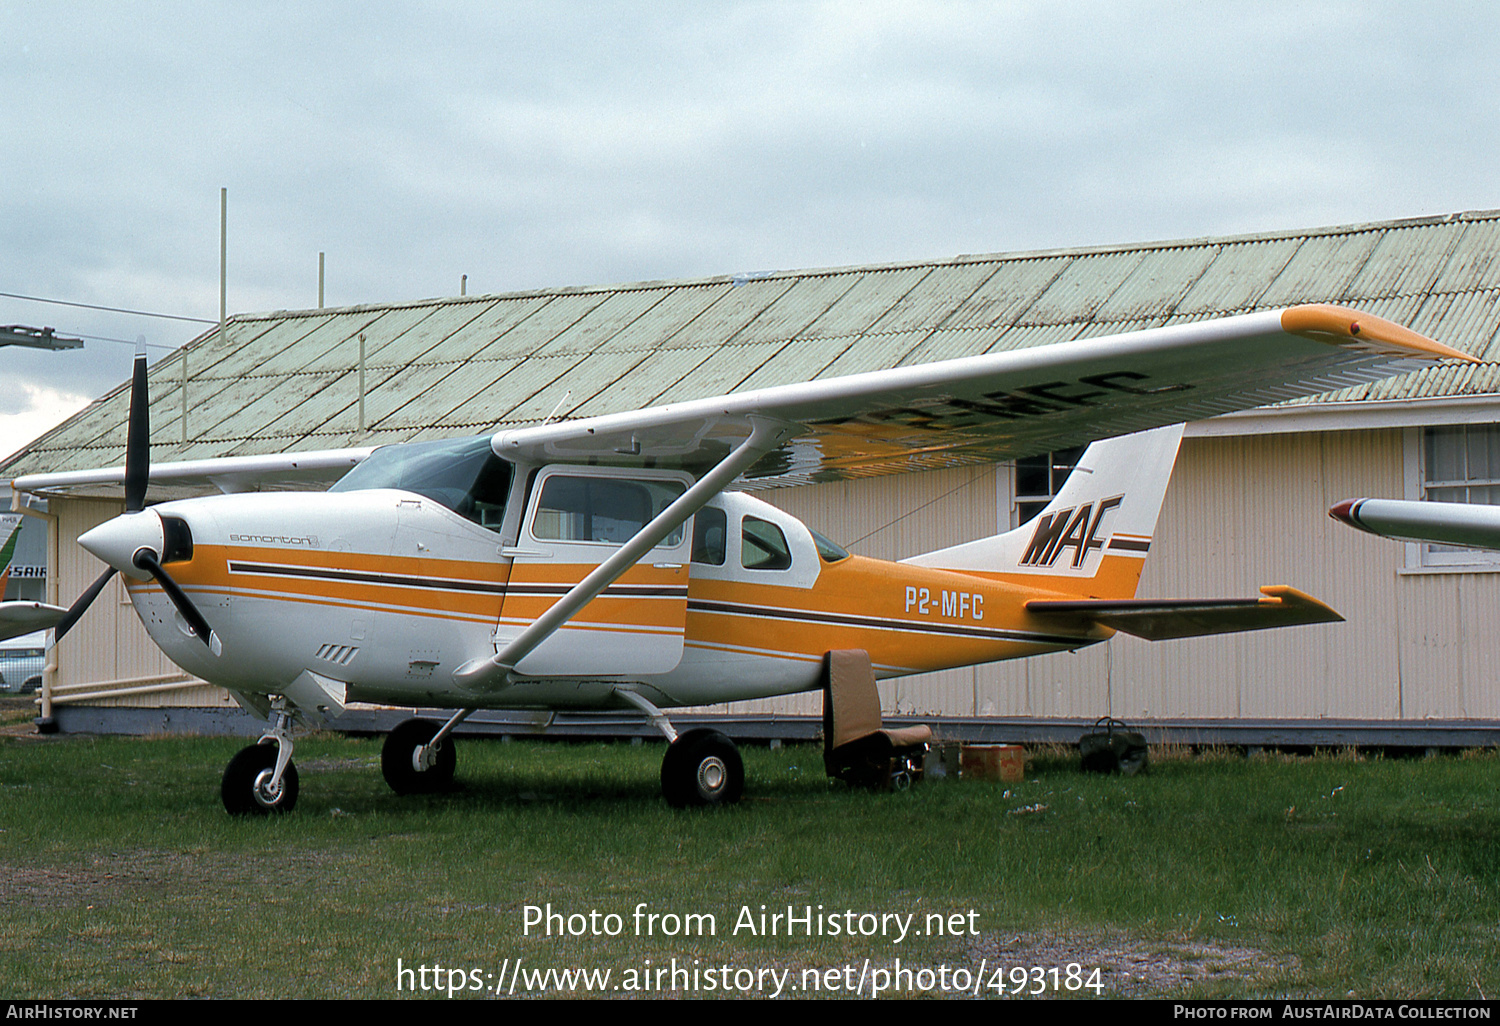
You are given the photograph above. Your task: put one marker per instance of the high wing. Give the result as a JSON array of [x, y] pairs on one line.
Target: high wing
[[1471, 525], [971, 410], [1000, 405], [227, 474]]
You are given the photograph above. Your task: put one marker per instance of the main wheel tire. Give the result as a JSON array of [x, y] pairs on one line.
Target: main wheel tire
[[244, 788], [702, 767], [398, 759]]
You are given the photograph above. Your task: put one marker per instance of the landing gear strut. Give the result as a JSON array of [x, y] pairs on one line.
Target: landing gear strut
[[261, 779], [701, 767]]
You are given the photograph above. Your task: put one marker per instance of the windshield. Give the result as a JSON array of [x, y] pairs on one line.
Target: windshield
[[463, 474]]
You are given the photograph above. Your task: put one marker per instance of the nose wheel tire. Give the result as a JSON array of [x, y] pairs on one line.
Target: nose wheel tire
[[702, 767], [401, 763], [247, 789]]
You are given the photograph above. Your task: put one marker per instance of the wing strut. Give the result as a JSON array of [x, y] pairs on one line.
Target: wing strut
[[483, 674]]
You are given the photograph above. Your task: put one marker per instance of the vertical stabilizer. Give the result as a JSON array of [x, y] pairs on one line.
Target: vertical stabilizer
[[10, 531], [1093, 537]]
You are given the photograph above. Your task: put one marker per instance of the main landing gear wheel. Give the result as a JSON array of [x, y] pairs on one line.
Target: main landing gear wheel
[[246, 789], [402, 762], [702, 767]]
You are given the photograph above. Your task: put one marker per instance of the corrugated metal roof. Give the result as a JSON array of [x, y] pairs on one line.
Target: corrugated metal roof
[[289, 380]]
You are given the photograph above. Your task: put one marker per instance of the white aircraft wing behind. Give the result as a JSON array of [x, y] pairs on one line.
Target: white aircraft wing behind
[[1470, 525], [1001, 405], [291, 470]]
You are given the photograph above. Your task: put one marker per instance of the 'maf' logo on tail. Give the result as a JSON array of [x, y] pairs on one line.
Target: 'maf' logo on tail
[[1075, 527]]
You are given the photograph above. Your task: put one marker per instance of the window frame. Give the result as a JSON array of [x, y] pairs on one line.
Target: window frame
[[678, 539], [1428, 556], [1057, 476]]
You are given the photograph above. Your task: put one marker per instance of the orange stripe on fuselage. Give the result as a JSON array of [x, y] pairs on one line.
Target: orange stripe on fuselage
[[439, 586], [645, 596], [909, 617]]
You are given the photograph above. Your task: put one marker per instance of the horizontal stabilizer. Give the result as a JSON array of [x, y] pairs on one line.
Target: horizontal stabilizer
[[1160, 620], [18, 618]]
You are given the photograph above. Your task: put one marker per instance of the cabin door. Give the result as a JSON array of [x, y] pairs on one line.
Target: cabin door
[[577, 518]]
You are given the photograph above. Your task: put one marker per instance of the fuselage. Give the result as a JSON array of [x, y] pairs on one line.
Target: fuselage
[[388, 591]]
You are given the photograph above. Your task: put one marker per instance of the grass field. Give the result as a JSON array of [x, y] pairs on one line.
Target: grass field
[[1210, 876]]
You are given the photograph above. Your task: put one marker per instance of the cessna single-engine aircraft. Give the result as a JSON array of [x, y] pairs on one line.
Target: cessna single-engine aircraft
[[606, 562], [1470, 525]]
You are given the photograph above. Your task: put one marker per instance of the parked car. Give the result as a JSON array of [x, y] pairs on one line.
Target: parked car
[[21, 662]]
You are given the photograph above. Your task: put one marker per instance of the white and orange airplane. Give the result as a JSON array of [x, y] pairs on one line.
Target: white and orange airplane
[[609, 563]]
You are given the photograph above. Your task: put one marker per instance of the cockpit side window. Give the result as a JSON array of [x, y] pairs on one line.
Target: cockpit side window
[[601, 509]]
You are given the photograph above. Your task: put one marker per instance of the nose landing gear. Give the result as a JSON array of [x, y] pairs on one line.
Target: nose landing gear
[[261, 779]]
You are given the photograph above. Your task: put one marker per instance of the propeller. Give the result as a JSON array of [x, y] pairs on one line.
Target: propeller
[[138, 538]]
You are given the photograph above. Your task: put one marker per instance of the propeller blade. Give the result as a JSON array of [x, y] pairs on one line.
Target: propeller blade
[[147, 561], [138, 439], [76, 609]]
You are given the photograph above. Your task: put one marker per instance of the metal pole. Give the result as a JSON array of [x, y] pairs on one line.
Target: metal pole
[[463, 285], [223, 258], [320, 280], [361, 381]]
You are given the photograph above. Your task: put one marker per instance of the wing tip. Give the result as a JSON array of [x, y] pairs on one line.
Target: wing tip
[[1347, 512], [1340, 325], [1314, 610]]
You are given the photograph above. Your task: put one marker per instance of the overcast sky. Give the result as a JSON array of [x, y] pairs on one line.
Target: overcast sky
[[538, 144]]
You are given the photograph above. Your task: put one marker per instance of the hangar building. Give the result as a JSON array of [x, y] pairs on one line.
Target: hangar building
[[1415, 663]]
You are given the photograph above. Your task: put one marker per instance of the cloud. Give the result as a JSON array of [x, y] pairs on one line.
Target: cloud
[[26, 411], [537, 145]]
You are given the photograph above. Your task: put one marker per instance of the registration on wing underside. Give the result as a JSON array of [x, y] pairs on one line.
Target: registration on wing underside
[[997, 405], [1005, 423]]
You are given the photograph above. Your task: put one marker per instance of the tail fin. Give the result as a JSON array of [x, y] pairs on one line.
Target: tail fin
[[19, 617], [1092, 539], [10, 530]]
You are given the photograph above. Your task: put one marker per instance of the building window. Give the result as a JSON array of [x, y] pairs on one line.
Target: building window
[[1460, 463], [1039, 479]]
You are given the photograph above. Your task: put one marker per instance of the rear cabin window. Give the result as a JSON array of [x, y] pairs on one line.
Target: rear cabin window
[[710, 532], [831, 551], [601, 509], [764, 547]]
